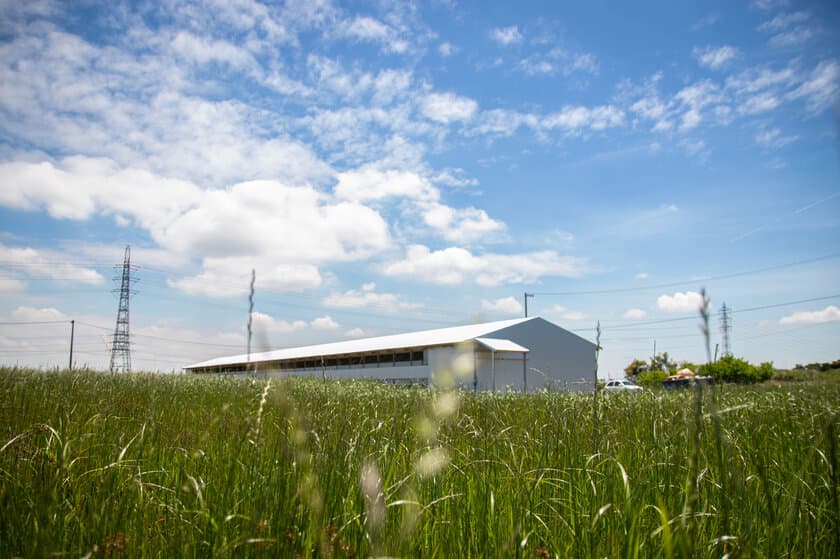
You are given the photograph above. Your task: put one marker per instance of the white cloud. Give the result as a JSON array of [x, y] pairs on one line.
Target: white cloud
[[231, 276], [699, 95], [503, 122], [266, 323], [753, 80], [447, 49], [135, 110], [202, 50], [367, 297], [784, 20], [634, 314], [31, 314], [559, 61], [262, 322], [10, 286], [506, 35], [283, 231], [769, 4], [281, 222], [793, 38], [448, 107], [365, 28], [454, 265], [692, 147], [457, 225], [563, 313], [705, 21], [691, 119], [454, 177], [690, 301], [79, 187], [642, 276], [41, 263], [759, 103], [773, 138], [325, 323], [715, 58], [820, 89], [535, 67], [791, 29], [355, 333], [463, 226], [577, 117], [448, 266], [505, 305], [828, 314], [694, 99], [369, 183]]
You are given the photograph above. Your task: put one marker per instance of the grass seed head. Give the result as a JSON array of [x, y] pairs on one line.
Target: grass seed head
[[432, 462], [370, 482]]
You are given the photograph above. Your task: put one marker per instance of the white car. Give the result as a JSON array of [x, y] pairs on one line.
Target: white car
[[622, 384]]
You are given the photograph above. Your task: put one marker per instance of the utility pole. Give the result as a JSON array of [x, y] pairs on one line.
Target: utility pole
[[121, 343], [251, 312], [72, 332], [725, 325], [526, 302]]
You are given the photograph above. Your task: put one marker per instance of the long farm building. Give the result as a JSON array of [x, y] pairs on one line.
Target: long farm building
[[524, 354]]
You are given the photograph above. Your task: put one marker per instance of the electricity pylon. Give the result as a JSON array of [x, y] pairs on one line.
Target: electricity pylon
[[121, 344]]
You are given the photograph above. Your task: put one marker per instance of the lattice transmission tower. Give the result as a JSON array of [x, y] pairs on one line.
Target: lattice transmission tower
[[725, 326], [121, 345]]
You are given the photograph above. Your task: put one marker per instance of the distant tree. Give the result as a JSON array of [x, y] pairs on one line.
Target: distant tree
[[734, 369], [652, 378], [662, 362], [694, 367], [635, 368]]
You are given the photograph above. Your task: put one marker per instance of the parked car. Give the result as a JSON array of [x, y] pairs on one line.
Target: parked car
[[621, 384]]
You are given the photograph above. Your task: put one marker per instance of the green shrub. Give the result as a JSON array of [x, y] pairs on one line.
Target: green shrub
[[765, 371], [651, 378], [734, 369]]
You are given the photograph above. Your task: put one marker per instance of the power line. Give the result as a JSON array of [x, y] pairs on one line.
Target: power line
[[752, 309], [22, 322], [692, 281]]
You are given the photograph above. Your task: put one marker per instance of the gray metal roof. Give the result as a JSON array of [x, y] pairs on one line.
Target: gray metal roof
[[425, 338]]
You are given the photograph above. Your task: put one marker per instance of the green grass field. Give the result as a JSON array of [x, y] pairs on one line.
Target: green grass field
[[100, 465]]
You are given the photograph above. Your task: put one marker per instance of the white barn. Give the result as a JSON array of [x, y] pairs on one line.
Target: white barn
[[523, 354]]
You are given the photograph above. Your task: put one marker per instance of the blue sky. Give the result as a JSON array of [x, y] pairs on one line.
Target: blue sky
[[389, 166]]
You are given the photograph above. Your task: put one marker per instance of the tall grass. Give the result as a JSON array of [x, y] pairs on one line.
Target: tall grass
[[162, 466]]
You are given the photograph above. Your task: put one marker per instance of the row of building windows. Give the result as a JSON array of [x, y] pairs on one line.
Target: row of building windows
[[391, 359]]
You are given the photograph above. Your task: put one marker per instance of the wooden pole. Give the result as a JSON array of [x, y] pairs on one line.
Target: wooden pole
[[72, 333]]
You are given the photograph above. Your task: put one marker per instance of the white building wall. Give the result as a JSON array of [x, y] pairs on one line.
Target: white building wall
[[452, 364], [565, 361], [506, 367], [557, 360], [375, 373]]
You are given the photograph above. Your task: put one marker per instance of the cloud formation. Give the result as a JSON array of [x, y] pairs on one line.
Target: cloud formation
[[455, 266], [829, 314], [503, 306], [507, 35], [715, 57], [368, 297], [687, 302]]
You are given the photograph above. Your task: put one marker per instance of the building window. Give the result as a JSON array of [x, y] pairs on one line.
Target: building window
[[360, 361]]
